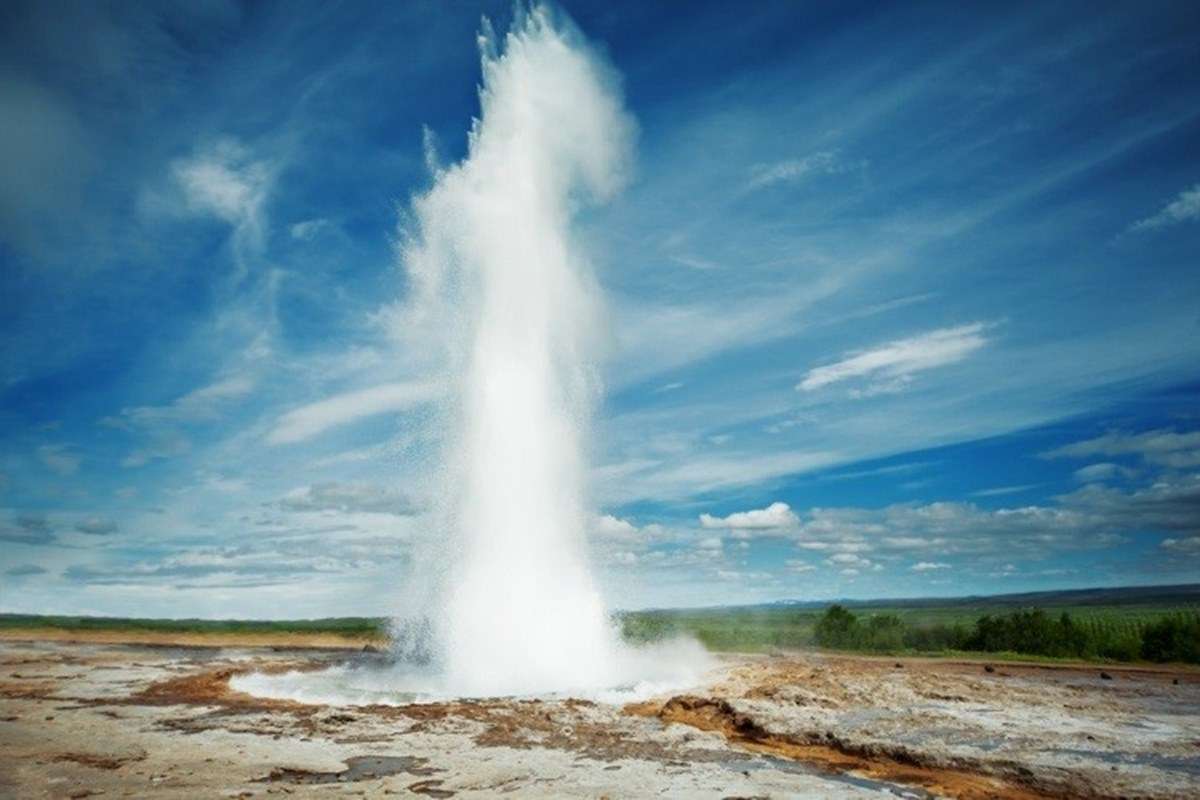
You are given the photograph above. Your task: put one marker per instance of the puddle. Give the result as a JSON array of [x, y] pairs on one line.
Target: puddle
[[1178, 764], [844, 778], [358, 768]]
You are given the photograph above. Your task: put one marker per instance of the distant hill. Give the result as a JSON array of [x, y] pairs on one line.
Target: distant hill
[[1177, 594]]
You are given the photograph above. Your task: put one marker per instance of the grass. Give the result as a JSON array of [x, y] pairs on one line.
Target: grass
[[351, 627], [765, 629], [749, 629]]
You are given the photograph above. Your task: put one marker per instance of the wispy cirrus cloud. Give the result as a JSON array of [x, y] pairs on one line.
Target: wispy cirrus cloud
[[160, 427], [891, 366], [794, 169], [225, 180], [1162, 447], [313, 419], [59, 458], [349, 498], [1184, 208]]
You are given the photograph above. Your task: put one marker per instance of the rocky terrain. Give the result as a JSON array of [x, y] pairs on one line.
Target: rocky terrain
[[113, 720]]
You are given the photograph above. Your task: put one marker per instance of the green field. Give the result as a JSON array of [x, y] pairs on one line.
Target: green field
[[762, 629], [1157, 624]]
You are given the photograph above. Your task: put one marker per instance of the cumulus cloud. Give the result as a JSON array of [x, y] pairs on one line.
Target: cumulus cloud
[[308, 421], [96, 526], [59, 458], [891, 366], [928, 566], [350, 498], [1164, 448], [1093, 516], [1184, 208], [709, 543], [775, 516], [615, 527]]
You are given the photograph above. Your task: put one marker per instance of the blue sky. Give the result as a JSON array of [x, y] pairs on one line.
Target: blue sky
[[902, 301]]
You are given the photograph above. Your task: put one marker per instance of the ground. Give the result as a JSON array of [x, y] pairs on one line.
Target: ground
[[82, 719]]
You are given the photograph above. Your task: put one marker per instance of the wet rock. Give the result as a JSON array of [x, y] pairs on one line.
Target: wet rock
[[988, 668], [1104, 676]]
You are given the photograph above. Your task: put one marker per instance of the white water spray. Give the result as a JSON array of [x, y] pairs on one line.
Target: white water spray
[[509, 299], [522, 613]]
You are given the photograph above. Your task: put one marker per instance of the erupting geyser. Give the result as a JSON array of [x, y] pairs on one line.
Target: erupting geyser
[[493, 248], [499, 284]]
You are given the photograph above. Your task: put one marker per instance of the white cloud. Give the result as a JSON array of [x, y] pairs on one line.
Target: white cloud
[[709, 543], [685, 477], [350, 498], [1102, 472], [205, 403], [798, 566], [775, 516], [308, 421], [1094, 516], [225, 181], [892, 365], [1162, 447], [1189, 546], [928, 566], [1000, 491], [308, 229], [59, 458], [1183, 208], [794, 169], [615, 527], [160, 424], [849, 560]]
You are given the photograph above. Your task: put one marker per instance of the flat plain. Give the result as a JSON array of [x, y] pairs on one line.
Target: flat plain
[[84, 717]]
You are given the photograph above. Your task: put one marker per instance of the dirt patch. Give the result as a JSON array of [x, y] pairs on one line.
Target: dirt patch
[[430, 789], [98, 761], [958, 778], [211, 687], [26, 690]]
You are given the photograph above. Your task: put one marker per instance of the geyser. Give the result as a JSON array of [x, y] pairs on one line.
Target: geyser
[[494, 244], [505, 297]]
